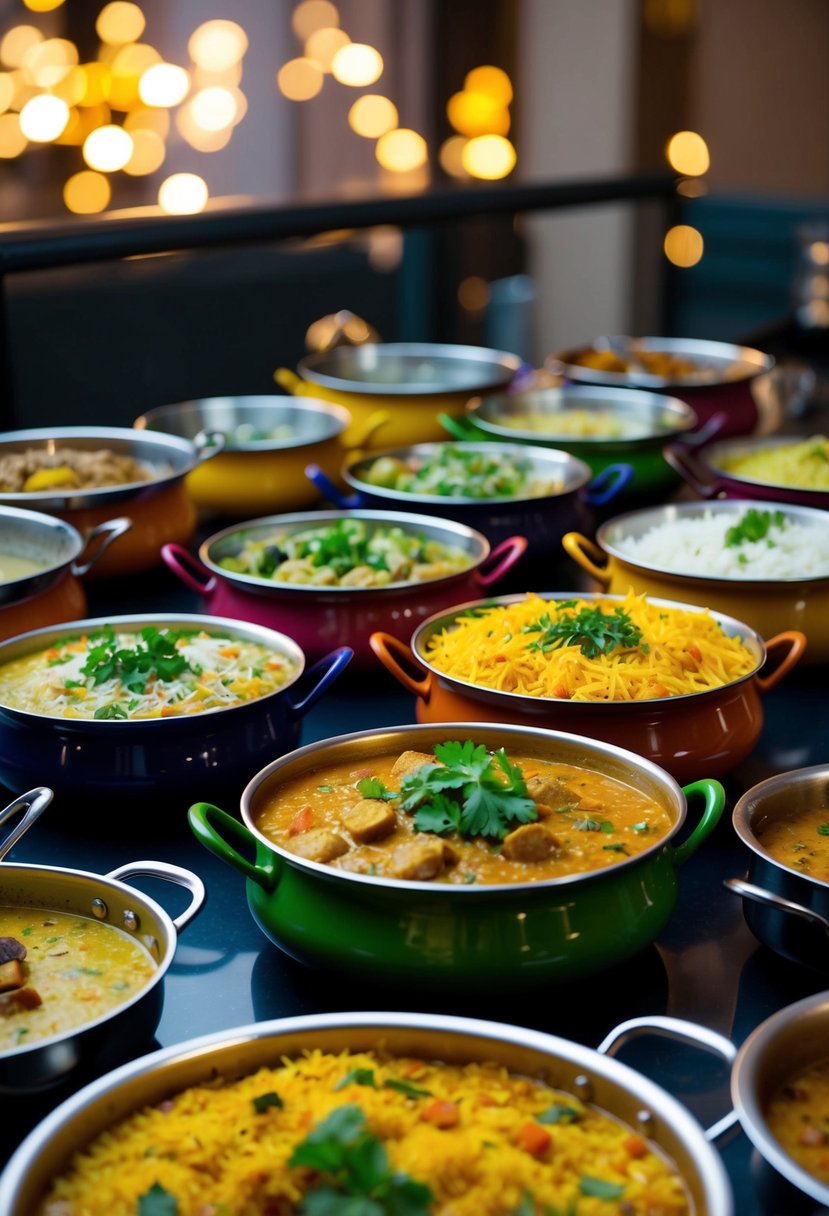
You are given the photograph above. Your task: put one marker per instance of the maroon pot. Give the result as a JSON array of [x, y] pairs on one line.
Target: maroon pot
[[705, 475]]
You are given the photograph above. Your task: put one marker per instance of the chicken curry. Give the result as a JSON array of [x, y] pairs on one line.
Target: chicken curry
[[462, 815]]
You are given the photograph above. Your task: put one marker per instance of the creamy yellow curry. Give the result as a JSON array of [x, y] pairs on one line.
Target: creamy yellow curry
[[798, 1118], [13, 566], [799, 839], [461, 815], [59, 970]]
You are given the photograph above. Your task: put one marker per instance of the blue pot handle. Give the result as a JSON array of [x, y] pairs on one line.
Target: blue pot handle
[[223, 836], [606, 485], [321, 676], [333, 493]]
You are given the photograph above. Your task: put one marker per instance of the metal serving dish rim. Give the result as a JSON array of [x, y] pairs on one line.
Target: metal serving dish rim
[[728, 506], [17, 871], [540, 456], [756, 361], [441, 891], [181, 455], [495, 368], [709, 456], [652, 1097], [338, 416], [36, 639], [737, 629], [742, 815], [480, 550], [19, 587], [638, 399]]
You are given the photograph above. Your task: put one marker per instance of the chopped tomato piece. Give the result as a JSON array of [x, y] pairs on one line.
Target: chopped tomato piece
[[302, 821], [533, 1138], [441, 1114], [635, 1146], [695, 653]]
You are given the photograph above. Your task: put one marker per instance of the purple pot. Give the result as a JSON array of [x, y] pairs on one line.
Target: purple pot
[[705, 475], [320, 618]]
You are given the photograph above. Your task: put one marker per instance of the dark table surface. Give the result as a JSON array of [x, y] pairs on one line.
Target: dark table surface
[[706, 966]]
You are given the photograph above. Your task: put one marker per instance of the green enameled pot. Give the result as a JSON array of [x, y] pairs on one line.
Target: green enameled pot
[[459, 936]]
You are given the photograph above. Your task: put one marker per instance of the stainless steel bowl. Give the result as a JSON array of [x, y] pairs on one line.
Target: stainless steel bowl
[[410, 369], [56, 546], [309, 421], [591, 1075], [720, 362]]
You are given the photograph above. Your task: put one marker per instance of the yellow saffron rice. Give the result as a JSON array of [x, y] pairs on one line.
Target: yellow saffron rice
[[803, 465], [483, 1141], [680, 652]]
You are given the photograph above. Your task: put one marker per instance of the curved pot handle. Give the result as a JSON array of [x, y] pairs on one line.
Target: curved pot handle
[[586, 553], [705, 433], [321, 676], [749, 890], [606, 485], [714, 802], [681, 1032], [209, 444], [461, 428], [502, 558], [223, 836], [361, 434], [383, 644], [97, 542], [292, 383], [333, 493], [703, 482], [188, 568], [33, 803], [796, 643], [168, 873]]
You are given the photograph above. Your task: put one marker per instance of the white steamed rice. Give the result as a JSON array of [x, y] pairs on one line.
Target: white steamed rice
[[697, 546]]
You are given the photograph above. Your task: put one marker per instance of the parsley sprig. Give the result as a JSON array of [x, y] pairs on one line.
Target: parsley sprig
[[754, 526], [358, 1180], [155, 652], [468, 791], [593, 631]]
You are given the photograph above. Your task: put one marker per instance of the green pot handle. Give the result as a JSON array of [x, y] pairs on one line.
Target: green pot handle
[[461, 428], [215, 829], [714, 802]]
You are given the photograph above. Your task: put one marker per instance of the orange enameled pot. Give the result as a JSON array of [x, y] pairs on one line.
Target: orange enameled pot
[[708, 731]]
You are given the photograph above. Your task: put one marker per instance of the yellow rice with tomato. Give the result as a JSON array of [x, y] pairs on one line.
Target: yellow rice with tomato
[[151, 673], [466, 1141]]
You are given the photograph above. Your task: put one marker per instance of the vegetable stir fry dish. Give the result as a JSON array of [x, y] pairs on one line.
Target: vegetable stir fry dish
[[347, 553], [458, 472]]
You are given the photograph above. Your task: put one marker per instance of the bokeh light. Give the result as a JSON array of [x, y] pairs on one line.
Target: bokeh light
[[474, 114], [46, 63], [401, 150], [163, 84], [6, 91], [43, 118], [12, 139], [183, 194], [42, 6], [72, 88], [17, 42], [299, 79], [473, 294], [819, 253], [687, 153], [372, 116], [148, 152], [489, 157], [128, 67], [87, 193], [148, 120], [323, 45], [451, 156], [96, 78], [108, 149], [313, 15], [213, 109], [491, 81], [196, 136], [357, 65], [120, 22], [217, 45], [683, 245]]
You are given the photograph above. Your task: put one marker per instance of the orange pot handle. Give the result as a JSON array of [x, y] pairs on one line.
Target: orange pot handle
[[586, 553], [383, 644], [796, 642]]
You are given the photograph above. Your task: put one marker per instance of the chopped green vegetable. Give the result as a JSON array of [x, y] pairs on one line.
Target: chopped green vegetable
[[406, 1087], [599, 1188], [593, 631], [357, 1076], [372, 787], [754, 526], [113, 710], [266, 1101], [559, 1112], [155, 652], [157, 1202], [641, 827], [586, 825], [823, 829]]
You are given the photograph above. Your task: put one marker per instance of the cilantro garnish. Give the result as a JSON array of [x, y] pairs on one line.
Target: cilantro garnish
[[599, 1188], [753, 526], [357, 1076], [823, 829], [406, 1087], [372, 787], [467, 791], [265, 1101], [559, 1112], [157, 1202], [155, 652], [357, 1179], [113, 710], [593, 631]]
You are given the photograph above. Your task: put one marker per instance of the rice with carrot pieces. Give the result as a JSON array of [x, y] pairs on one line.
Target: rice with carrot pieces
[[590, 650], [324, 1131]]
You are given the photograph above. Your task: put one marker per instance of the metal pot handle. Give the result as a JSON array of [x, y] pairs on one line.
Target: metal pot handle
[[34, 803], [98, 541], [188, 568], [328, 490], [168, 873], [321, 676], [223, 836], [796, 642], [703, 482], [705, 433], [714, 796], [586, 553], [463, 429], [606, 485], [383, 644], [681, 1032], [502, 558], [749, 890], [209, 443]]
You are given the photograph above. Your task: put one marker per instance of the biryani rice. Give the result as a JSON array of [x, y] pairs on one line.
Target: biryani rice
[[804, 466], [214, 1154]]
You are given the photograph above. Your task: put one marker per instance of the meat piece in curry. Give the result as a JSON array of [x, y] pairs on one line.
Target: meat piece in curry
[[461, 815]]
